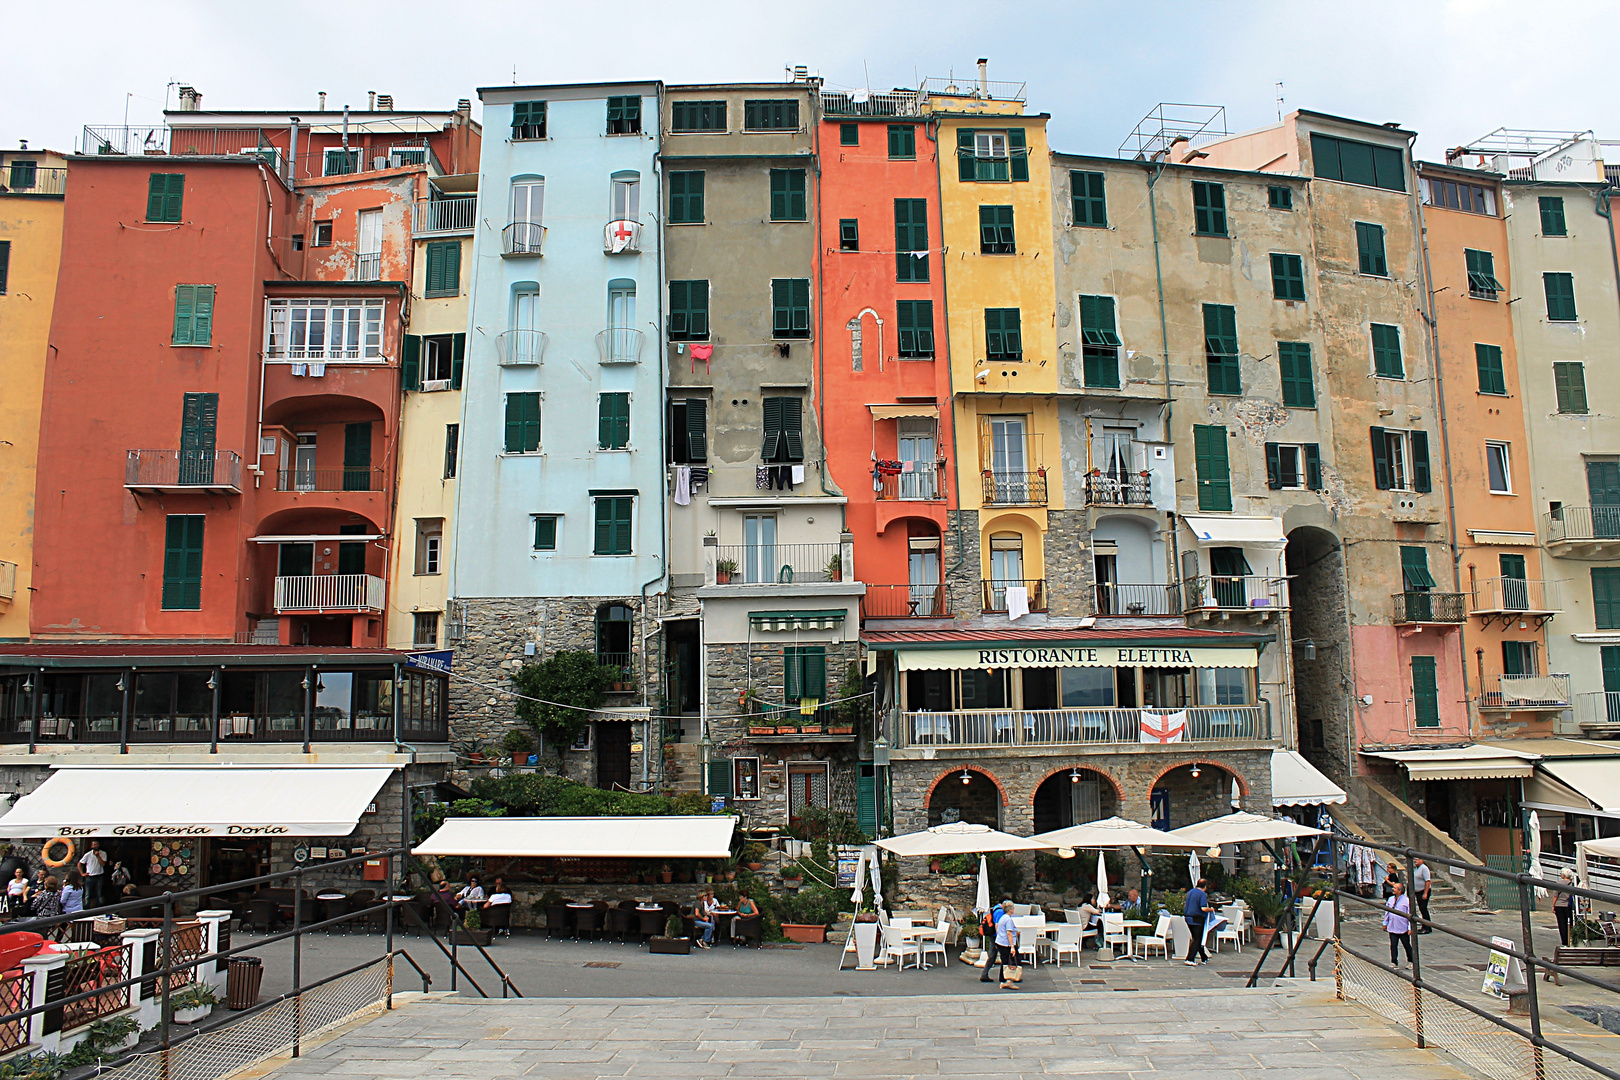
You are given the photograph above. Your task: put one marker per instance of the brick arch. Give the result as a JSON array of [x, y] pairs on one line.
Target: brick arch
[[1119, 788], [1243, 784], [956, 774]]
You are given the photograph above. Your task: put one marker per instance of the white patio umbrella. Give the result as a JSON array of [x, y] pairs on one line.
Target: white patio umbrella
[[1242, 828], [981, 900], [960, 838], [1195, 869], [1102, 882], [1114, 832], [1237, 796], [1534, 843]]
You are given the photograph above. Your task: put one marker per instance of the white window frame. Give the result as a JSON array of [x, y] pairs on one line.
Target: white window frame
[[1398, 449], [429, 546], [1505, 452], [315, 235], [1298, 450], [438, 622], [625, 190], [736, 787], [289, 322], [990, 145], [535, 212], [433, 345], [557, 533]]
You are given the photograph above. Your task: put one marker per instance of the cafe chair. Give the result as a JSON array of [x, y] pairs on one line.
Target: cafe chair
[[558, 920], [1114, 932], [1067, 939], [897, 948], [1233, 931], [749, 928], [587, 921], [652, 922], [935, 943], [498, 918], [1159, 939], [262, 914], [620, 923]]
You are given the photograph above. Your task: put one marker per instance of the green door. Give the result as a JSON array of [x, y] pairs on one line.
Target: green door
[[1229, 572], [1515, 589], [1603, 485], [357, 457], [1611, 681], [866, 799], [1425, 692], [1416, 582], [198, 420], [351, 553]]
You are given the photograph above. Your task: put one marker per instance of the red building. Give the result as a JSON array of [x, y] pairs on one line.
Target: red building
[[886, 377]]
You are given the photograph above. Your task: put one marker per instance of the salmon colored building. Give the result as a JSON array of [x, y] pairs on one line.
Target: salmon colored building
[[886, 384]]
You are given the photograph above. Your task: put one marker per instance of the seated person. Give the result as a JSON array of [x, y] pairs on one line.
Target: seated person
[[1090, 913], [703, 918], [471, 894], [746, 909], [498, 894], [73, 894]]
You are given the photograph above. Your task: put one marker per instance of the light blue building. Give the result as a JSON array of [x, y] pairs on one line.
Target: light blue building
[[560, 523]]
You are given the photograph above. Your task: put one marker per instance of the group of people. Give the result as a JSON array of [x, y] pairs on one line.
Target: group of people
[[1398, 909], [95, 880], [472, 895], [706, 915]]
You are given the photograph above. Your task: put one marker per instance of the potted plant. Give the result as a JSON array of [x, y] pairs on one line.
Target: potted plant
[[835, 568], [665, 875], [674, 942], [810, 725], [754, 854], [723, 569], [1268, 908], [517, 744], [192, 1002], [471, 931], [810, 912]]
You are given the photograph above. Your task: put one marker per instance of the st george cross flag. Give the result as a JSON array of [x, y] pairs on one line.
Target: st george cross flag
[[1167, 728]]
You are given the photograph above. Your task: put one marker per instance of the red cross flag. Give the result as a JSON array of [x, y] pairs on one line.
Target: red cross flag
[[1168, 728]]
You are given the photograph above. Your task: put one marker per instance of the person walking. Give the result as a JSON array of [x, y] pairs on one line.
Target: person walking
[[1196, 911], [1396, 923], [1421, 885], [1563, 906], [1007, 943], [93, 866]]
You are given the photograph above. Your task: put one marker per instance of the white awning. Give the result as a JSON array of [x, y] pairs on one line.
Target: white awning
[[1597, 780], [1114, 832], [1462, 762], [667, 837], [1237, 531], [1500, 538], [958, 838], [1296, 782], [196, 800], [1145, 654], [1243, 828], [891, 412]]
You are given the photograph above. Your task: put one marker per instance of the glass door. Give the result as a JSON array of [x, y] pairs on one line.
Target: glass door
[[1006, 567], [923, 576], [918, 459], [1611, 683], [1008, 464], [304, 463], [759, 548], [1603, 485], [1515, 589], [524, 231], [525, 324], [368, 248], [621, 323]]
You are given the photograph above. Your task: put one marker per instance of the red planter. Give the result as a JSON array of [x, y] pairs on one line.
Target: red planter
[[805, 932]]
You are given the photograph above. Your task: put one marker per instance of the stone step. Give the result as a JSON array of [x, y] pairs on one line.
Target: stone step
[[683, 771]]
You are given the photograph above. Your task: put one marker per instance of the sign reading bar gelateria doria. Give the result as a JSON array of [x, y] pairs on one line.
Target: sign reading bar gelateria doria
[[1038, 656]]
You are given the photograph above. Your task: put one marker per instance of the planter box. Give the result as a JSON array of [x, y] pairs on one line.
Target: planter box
[[191, 1016], [672, 946], [809, 934], [841, 729], [758, 729], [1263, 936], [472, 937], [810, 729]]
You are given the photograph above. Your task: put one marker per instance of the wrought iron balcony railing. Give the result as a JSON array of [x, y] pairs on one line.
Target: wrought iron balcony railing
[[905, 602], [1015, 488], [784, 564], [1116, 599], [994, 593], [178, 470], [1430, 607], [522, 238]]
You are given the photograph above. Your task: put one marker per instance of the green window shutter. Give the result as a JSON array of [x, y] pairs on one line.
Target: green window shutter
[[1420, 462], [849, 134], [779, 195], [813, 661], [1221, 349], [199, 420], [1552, 216], [866, 804], [182, 562], [686, 198], [1313, 466], [910, 235], [458, 359], [5, 264], [602, 542], [1382, 478], [996, 233], [1610, 661], [1086, 192], [185, 298], [792, 674], [1425, 692], [688, 310], [443, 268], [1298, 381], [1003, 334], [545, 532], [1370, 248], [902, 141], [1100, 342], [793, 428], [164, 195], [781, 308], [522, 423], [1279, 197], [915, 320], [1214, 474], [1017, 154], [1560, 297], [697, 430], [435, 270], [1386, 347], [410, 362], [1273, 466], [1488, 359], [787, 195], [202, 315], [1569, 379], [613, 421], [966, 167], [613, 522], [1606, 597], [720, 777], [1415, 576], [1209, 208], [1287, 277], [1513, 566], [529, 120], [1481, 266], [773, 428]]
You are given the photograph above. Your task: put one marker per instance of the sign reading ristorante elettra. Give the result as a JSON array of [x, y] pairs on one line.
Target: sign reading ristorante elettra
[[1036, 656], [173, 830]]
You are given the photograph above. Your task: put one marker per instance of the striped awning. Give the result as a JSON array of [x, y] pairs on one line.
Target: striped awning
[[797, 620]]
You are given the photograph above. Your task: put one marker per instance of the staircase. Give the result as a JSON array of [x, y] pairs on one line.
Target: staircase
[[683, 772], [1444, 895]]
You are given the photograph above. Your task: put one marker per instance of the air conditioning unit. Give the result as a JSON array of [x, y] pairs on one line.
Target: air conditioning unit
[[379, 162], [429, 385]]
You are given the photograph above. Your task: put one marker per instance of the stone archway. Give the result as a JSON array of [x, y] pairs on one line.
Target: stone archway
[[1320, 648], [1074, 796], [1179, 798], [969, 794]]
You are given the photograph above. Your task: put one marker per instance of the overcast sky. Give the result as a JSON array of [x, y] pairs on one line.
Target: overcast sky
[[1452, 70]]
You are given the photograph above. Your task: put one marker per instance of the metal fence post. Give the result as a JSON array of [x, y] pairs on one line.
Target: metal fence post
[[1417, 953], [298, 957], [166, 944], [1530, 980], [388, 923], [1338, 911]]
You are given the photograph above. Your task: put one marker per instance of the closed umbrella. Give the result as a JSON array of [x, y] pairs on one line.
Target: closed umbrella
[[981, 901], [1195, 869], [1102, 882], [1237, 796], [1534, 842]]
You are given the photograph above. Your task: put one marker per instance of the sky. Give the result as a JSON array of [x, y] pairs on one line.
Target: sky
[[1453, 70]]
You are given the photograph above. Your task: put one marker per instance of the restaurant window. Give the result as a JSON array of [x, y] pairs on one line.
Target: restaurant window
[[1164, 688], [690, 116], [745, 778], [1223, 686], [1086, 687], [334, 700], [425, 632], [986, 690], [613, 623]]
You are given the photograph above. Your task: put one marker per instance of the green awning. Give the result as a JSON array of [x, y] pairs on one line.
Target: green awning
[[797, 620]]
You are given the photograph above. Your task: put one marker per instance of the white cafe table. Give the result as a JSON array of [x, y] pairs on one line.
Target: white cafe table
[[1131, 926]]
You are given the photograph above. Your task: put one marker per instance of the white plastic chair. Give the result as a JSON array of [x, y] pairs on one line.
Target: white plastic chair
[[1233, 931], [1159, 939], [1114, 932], [1021, 910], [1069, 936], [1072, 914], [898, 948], [953, 933], [904, 924], [935, 943]]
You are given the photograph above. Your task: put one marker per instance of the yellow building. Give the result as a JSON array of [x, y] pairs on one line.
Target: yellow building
[[995, 246], [430, 420], [32, 185]]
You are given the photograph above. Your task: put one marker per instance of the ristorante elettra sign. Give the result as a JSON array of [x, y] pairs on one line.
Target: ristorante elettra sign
[[1038, 656]]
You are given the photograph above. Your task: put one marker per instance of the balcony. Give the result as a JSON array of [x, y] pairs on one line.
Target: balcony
[[1584, 532], [1015, 488], [1115, 599], [994, 593], [437, 217], [1526, 693], [867, 103], [521, 348], [1511, 598], [331, 480], [203, 472], [368, 266], [320, 594], [1598, 711], [621, 238], [49, 183], [924, 483], [522, 238], [1135, 489], [1430, 607], [905, 602], [619, 345], [1225, 595], [783, 564], [1003, 728]]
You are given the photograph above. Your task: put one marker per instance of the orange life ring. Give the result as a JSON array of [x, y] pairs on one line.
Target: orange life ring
[[55, 861]]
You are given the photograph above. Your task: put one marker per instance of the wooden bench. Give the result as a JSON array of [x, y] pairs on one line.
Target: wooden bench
[[1575, 956]]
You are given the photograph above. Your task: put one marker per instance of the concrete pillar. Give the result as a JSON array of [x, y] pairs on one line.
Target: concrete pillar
[[210, 972], [148, 1010], [711, 552], [40, 968]]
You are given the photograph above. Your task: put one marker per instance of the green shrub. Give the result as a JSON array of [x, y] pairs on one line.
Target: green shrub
[[674, 926], [815, 905], [1006, 875], [574, 681]]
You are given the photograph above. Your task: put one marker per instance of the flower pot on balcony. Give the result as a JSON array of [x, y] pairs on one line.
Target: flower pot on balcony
[[762, 729], [787, 729], [809, 729], [722, 577], [842, 729]]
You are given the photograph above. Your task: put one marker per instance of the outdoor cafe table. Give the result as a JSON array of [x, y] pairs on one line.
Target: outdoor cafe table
[[913, 934], [1131, 926]]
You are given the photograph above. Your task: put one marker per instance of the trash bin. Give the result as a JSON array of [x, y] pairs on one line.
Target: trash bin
[[243, 974]]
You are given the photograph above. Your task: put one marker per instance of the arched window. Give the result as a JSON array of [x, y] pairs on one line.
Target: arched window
[[613, 635]]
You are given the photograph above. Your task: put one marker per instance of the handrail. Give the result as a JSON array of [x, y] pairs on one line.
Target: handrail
[[506, 981]]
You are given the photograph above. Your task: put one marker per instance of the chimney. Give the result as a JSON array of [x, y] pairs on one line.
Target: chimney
[[371, 101], [24, 144], [464, 106], [984, 76], [385, 102], [190, 100], [322, 95]]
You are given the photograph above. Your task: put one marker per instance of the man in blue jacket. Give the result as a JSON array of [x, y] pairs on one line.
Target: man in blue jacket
[[1196, 911]]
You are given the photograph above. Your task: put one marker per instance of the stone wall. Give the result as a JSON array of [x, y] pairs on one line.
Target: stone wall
[[960, 567], [1069, 569], [1320, 614]]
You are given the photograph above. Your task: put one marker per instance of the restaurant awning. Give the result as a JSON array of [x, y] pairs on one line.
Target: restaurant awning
[[196, 800], [1296, 782], [664, 837], [1237, 531], [1461, 762], [1597, 781], [1114, 832], [892, 412], [1147, 654], [958, 838]]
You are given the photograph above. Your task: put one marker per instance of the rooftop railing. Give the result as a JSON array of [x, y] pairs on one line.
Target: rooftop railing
[[456, 215]]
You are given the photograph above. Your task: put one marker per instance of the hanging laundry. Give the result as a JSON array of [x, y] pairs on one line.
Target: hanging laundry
[[1017, 602], [683, 485], [798, 475], [700, 477], [317, 370], [762, 477], [877, 478], [908, 466], [702, 351], [889, 468], [780, 476], [300, 369]]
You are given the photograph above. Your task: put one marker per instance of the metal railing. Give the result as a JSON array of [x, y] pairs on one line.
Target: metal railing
[[348, 479], [387, 151], [368, 266], [1597, 707], [1528, 692], [621, 237], [619, 345], [1430, 607], [993, 593], [1576, 523], [456, 215], [1115, 599], [523, 238], [34, 181], [16, 998], [521, 348], [924, 483], [869, 103], [329, 592], [1015, 488], [785, 564], [1132, 490], [905, 602], [1501, 595], [142, 139], [967, 86], [1234, 592], [183, 468], [1077, 727]]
